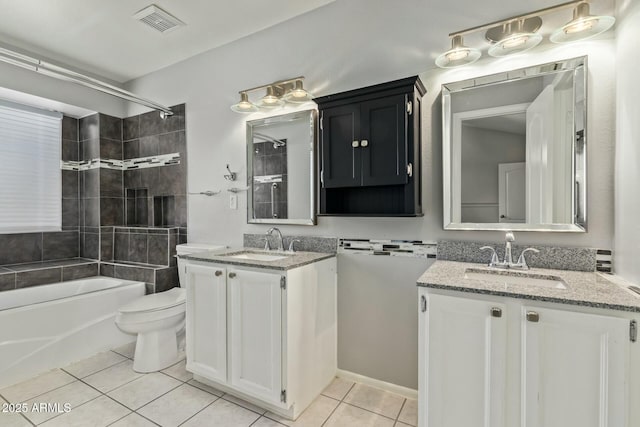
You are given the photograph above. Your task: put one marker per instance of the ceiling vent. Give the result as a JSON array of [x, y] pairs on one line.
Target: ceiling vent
[[158, 19]]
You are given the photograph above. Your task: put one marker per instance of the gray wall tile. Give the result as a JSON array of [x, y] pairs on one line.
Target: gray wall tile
[[73, 272], [7, 281], [110, 127], [70, 129], [60, 245], [38, 277], [89, 128], [158, 246], [140, 274], [19, 248], [110, 149], [130, 128], [138, 247], [166, 279]]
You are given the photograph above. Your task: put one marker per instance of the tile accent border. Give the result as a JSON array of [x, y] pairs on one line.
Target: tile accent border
[[403, 248], [604, 261], [122, 165]]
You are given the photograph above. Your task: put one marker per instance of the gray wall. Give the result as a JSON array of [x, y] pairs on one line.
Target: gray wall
[[482, 151]]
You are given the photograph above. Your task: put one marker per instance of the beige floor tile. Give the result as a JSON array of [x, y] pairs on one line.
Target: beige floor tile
[[113, 377], [399, 424], [75, 394], [347, 415], [12, 419], [139, 392], [94, 364], [244, 404], [178, 371], [338, 388], [375, 400], [127, 350], [36, 386], [177, 406], [316, 414], [206, 388], [409, 413], [96, 413], [223, 413], [266, 422], [133, 420]]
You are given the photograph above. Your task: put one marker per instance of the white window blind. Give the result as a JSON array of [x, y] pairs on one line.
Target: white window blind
[[30, 175]]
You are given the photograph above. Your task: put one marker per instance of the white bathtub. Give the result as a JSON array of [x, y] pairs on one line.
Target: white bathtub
[[50, 326]]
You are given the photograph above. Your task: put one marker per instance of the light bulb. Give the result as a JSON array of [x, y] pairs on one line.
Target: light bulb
[[457, 54], [516, 41], [582, 25]]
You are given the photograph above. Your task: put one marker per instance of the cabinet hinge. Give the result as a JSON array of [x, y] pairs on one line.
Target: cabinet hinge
[[283, 282], [633, 331], [283, 396], [409, 107], [410, 169]]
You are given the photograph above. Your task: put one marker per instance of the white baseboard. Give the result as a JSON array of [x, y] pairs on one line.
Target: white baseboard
[[407, 392]]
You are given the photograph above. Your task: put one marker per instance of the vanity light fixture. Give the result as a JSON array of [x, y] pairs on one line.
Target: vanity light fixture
[[514, 37], [244, 106], [520, 33], [458, 55], [277, 93], [582, 26]]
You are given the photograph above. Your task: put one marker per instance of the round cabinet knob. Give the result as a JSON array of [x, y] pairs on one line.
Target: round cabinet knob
[[232, 275], [355, 144], [218, 273], [364, 143]]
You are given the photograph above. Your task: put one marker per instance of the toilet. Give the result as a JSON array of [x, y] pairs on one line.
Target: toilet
[[158, 319]]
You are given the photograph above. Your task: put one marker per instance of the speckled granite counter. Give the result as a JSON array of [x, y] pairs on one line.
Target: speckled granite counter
[[583, 288], [292, 260]]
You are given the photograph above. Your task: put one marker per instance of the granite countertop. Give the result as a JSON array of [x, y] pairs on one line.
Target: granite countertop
[[292, 260], [583, 288]]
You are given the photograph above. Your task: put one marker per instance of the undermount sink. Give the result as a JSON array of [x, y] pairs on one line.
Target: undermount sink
[[516, 278], [254, 256]]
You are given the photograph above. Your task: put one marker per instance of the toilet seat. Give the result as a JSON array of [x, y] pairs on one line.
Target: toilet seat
[[154, 302]]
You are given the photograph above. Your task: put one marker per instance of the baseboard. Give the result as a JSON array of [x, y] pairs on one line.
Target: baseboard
[[407, 392]]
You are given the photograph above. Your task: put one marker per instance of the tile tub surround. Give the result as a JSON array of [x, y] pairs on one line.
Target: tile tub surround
[[104, 390], [293, 259], [157, 278], [550, 257], [583, 288], [18, 276], [327, 245], [145, 245]]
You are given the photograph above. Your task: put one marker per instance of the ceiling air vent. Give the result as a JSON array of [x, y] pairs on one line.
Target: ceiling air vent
[[158, 19]]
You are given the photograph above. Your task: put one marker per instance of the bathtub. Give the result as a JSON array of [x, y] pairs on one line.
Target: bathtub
[[50, 326]]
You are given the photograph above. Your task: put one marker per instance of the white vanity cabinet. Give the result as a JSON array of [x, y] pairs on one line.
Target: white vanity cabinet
[[267, 336], [493, 361]]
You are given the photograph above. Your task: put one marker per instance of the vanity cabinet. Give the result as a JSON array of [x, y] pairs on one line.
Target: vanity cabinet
[[369, 159], [493, 362], [266, 336]]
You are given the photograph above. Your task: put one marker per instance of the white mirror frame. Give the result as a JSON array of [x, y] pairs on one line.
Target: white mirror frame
[[451, 147]]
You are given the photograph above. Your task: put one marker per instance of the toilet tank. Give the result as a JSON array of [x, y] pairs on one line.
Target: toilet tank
[[192, 248]]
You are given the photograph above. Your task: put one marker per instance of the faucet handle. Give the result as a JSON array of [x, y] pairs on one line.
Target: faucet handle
[[509, 237], [291, 245], [522, 262], [494, 256], [267, 246]]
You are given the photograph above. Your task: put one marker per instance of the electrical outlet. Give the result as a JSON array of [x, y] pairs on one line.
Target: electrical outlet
[[233, 201]]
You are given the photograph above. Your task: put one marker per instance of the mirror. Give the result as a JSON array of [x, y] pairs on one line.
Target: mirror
[[280, 165], [514, 154]]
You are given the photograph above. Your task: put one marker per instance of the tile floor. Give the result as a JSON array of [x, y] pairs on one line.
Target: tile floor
[[103, 390]]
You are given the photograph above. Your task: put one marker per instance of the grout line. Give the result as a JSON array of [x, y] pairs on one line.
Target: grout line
[[339, 403], [404, 402], [185, 421]]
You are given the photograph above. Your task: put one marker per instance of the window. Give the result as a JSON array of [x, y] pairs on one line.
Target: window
[[30, 175]]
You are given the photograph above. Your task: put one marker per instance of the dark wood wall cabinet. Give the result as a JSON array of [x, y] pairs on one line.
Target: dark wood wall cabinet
[[369, 158]]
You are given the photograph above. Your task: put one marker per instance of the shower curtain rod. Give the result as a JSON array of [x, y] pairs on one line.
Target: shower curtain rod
[[60, 73]]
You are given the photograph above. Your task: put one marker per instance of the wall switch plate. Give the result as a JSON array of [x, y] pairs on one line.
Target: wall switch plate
[[233, 201]]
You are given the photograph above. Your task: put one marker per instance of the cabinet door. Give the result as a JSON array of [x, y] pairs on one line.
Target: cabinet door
[[573, 368], [255, 333], [464, 369], [340, 159], [206, 318], [384, 141]]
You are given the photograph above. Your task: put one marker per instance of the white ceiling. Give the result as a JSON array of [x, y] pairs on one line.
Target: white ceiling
[[101, 36]]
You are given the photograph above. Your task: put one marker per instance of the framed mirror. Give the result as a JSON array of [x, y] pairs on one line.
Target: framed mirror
[[514, 150], [281, 169]]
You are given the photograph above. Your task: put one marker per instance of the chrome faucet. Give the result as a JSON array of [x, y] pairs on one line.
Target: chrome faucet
[[280, 243], [508, 257]]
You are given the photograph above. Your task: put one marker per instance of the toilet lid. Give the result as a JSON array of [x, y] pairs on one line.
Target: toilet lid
[[153, 302]]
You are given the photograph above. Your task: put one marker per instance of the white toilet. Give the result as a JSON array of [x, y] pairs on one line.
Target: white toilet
[[158, 318]]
